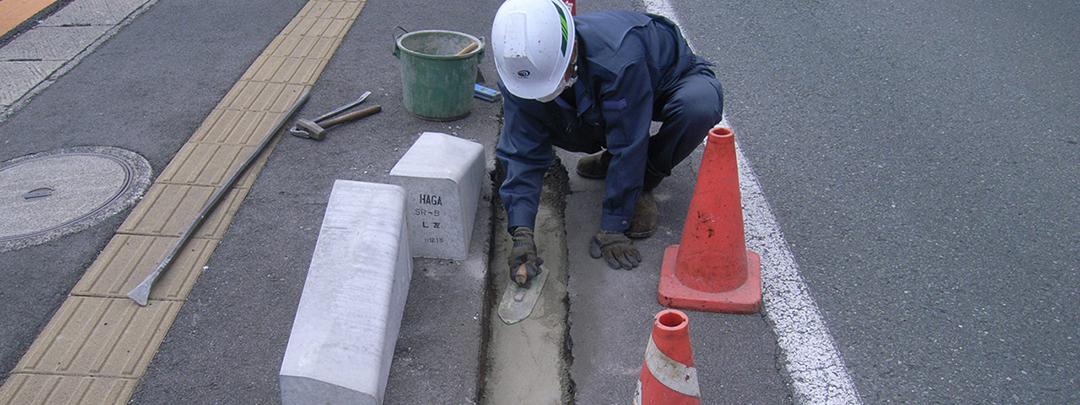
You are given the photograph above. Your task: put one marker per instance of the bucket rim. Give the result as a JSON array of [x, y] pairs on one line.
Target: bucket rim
[[474, 52]]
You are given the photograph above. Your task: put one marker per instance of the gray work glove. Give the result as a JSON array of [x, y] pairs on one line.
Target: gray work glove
[[616, 248], [524, 252]]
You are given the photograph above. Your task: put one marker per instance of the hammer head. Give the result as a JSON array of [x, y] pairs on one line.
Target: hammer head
[[308, 129]]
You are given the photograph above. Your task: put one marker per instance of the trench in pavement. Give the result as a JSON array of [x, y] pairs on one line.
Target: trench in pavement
[[529, 362]]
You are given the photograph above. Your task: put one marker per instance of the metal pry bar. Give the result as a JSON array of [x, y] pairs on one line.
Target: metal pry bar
[[344, 107], [141, 293]]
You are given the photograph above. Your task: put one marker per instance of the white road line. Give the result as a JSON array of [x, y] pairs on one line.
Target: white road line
[[818, 375], [662, 7], [817, 372]]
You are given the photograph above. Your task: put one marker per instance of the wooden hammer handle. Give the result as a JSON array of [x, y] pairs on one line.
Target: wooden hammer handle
[[355, 115]]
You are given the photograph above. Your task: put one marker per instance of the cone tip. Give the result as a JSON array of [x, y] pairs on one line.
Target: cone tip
[[721, 131], [671, 319]]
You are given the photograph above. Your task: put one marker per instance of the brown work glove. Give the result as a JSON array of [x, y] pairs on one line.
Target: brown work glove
[[524, 252], [616, 249]]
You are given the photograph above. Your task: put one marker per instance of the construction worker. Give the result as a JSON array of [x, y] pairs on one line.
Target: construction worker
[[594, 83]]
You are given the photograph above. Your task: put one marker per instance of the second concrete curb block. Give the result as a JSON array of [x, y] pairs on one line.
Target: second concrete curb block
[[347, 323]]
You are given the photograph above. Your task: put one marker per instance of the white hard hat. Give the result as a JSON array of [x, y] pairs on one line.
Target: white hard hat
[[532, 41]]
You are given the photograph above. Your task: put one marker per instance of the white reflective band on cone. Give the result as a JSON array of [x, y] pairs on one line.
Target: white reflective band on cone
[[677, 376]]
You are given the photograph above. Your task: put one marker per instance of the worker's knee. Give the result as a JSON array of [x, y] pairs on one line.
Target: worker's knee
[[699, 98]]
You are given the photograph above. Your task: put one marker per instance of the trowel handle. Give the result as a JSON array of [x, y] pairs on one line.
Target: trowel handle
[[521, 275]]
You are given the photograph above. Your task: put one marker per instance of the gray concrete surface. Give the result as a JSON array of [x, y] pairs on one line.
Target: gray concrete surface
[[228, 337], [919, 157], [527, 362], [611, 311]]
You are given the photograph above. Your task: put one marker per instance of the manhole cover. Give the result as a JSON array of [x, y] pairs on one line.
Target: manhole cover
[[50, 194]]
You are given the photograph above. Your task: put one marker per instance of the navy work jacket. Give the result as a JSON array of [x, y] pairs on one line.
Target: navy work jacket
[[628, 62]]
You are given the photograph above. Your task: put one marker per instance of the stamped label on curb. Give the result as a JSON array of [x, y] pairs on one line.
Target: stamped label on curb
[[442, 176]]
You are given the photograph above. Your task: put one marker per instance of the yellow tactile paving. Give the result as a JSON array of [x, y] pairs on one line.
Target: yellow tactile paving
[[96, 336], [63, 389], [168, 209], [190, 166], [233, 126], [99, 343], [128, 259]]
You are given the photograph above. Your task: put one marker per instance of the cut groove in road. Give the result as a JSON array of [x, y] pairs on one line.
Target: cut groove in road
[[817, 371], [528, 362]]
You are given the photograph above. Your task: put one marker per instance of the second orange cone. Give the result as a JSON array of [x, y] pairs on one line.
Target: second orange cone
[[668, 375]]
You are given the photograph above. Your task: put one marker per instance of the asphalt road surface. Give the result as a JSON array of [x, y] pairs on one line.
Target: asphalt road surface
[[922, 159]]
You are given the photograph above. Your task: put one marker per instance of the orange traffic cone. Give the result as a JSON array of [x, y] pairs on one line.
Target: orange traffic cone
[[668, 375], [711, 269]]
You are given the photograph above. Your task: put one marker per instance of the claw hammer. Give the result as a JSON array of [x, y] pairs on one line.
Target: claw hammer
[[316, 128]]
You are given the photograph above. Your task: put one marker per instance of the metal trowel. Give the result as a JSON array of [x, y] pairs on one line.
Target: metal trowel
[[517, 301]]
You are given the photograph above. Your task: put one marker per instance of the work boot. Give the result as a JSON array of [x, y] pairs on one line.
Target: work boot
[[646, 216], [594, 166]]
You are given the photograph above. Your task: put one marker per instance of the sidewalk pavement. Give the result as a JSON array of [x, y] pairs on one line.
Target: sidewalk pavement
[[145, 91]]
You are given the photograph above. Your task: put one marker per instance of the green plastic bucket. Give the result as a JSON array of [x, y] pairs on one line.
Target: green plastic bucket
[[437, 82]]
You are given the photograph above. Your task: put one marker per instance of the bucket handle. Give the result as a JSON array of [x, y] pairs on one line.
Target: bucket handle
[[480, 55], [397, 50]]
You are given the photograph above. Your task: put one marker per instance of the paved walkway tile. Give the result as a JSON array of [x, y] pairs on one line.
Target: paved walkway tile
[[19, 76], [94, 12], [51, 43]]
